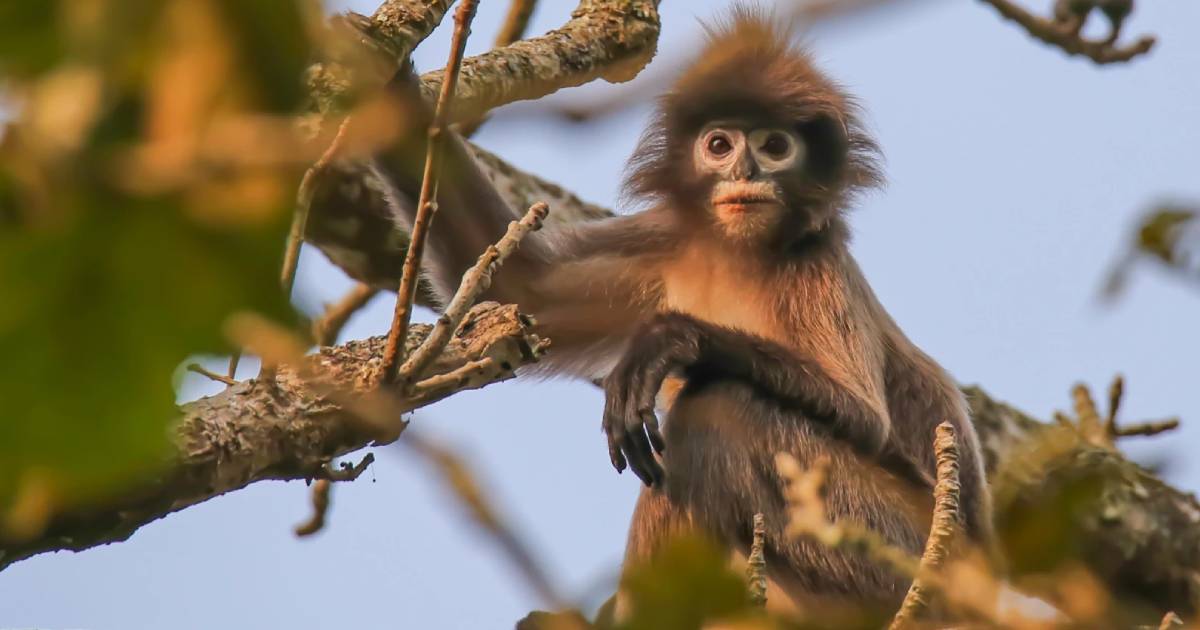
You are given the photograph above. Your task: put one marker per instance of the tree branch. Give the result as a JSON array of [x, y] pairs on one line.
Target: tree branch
[[397, 26], [258, 430], [609, 39], [1068, 39], [941, 531], [426, 205]]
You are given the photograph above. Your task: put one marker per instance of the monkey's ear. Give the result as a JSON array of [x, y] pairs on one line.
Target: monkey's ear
[[828, 147]]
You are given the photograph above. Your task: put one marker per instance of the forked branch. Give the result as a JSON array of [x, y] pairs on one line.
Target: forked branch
[[1066, 35], [426, 206]]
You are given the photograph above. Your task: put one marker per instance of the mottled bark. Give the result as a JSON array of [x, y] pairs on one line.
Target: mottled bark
[[1060, 497], [609, 39], [284, 430]]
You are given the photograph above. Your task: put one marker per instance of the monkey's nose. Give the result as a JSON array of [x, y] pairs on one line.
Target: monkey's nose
[[744, 169]]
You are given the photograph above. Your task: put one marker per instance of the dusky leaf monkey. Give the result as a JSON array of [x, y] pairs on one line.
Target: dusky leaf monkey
[[736, 282]]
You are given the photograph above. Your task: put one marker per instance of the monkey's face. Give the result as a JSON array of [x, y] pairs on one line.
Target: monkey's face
[[748, 171]]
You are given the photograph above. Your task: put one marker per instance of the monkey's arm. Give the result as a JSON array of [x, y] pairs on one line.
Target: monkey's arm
[[921, 395], [470, 215], [586, 285], [674, 341]]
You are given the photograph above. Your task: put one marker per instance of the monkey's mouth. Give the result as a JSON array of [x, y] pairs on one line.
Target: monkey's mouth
[[740, 196], [744, 200]]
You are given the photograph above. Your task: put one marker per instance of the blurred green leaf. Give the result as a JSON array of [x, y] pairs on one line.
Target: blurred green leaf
[[688, 583], [97, 315], [29, 37], [275, 31], [145, 191]]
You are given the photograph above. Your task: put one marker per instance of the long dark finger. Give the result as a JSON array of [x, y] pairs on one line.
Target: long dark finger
[[614, 454], [653, 432], [614, 431], [614, 426], [641, 458]]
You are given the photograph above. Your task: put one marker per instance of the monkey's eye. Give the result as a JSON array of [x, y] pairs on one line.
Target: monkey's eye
[[776, 145], [719, 144]]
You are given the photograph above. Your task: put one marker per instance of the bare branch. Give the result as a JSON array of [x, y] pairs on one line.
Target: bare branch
[[756, 563], [515, 22], [282, 429], [322, 490], [941, 531], [475, 281], [326, 328], [1087, 422], [609, 39], [1067, 38], [806, 511], [426, 206], [399, 25], [456, 473], [1169, 620], [203, 371], [513, 29]]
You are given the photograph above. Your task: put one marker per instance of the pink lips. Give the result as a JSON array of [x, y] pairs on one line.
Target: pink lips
[[741, 203]]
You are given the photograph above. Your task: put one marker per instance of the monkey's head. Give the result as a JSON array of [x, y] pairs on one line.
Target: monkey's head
[[753, 140]]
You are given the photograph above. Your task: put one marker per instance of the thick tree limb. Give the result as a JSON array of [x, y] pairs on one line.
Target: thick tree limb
[[1136, 533], [608, 39], [398, 26], [256, 430]]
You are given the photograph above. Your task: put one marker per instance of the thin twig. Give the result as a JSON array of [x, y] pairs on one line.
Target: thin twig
[[1085, 411], [475, 281], [451, 379], [1147, 428], [941, 531], [455, 471], [203, 371], [322, 489], [379, 412], [291, 255], [1087, 421], [234, 360], [346, 472], [515, 22], [326, 328], [1065, 37], [426, 205], [756, 563], [304, 198], [1115, 392], [513, 29], [807, 517], [320, 501]]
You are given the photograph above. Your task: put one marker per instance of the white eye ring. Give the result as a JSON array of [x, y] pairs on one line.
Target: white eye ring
[[707, 159], [773, 159]]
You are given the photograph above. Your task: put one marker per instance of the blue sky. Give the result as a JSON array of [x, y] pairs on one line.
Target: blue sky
[[1015, 177]]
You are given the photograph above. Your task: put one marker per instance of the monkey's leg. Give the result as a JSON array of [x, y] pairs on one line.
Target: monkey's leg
[[722, 439]]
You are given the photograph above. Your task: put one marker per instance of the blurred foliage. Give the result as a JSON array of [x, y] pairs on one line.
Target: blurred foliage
[[146, 183], [1168, 235], [688, 583]]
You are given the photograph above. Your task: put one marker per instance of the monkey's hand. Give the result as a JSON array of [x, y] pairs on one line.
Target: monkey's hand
[[667, 342], [675, 341]]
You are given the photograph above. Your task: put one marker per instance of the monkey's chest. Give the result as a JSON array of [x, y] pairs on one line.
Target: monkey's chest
[[721, 296]]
